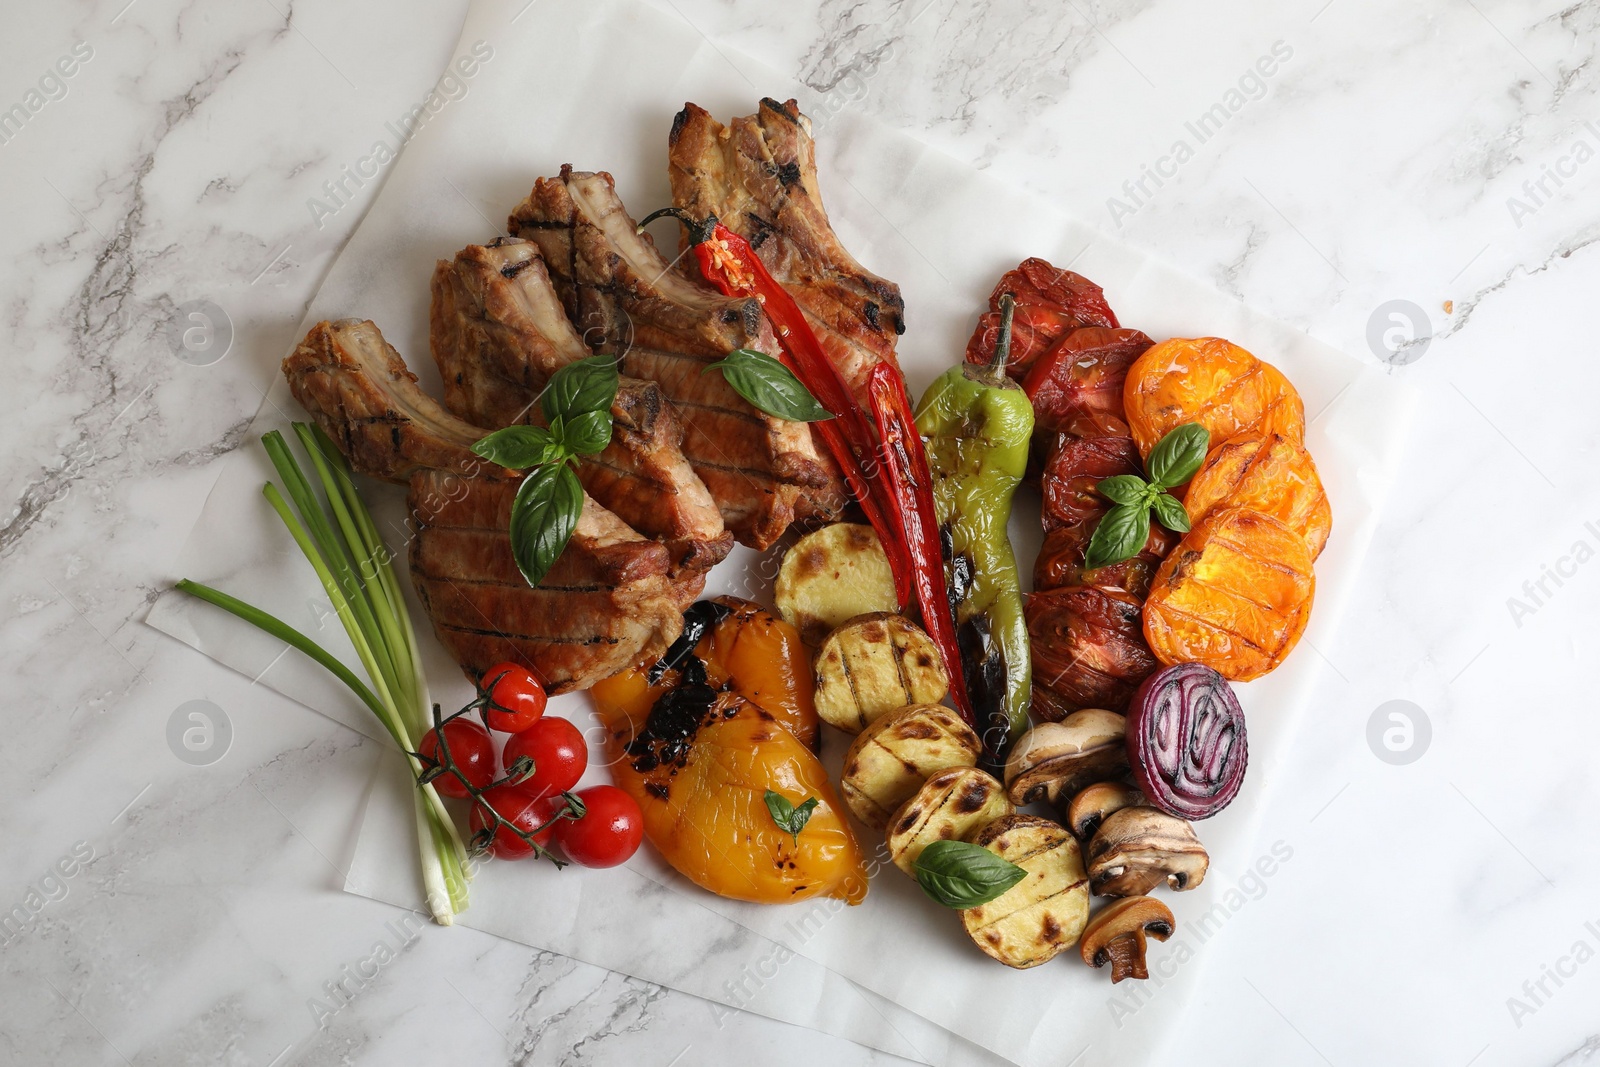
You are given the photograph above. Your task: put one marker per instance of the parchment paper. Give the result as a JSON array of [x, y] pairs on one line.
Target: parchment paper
[[597, 86]]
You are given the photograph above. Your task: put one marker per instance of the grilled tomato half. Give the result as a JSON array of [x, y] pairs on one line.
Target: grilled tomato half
[[1234, 595], [1266, 473], [1072, 509], [1213, 382], [1088, 651]]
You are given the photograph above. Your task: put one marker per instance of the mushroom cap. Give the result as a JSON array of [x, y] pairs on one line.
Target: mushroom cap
[[1138, 848], [1056, 759], [1130, 917], [1093, 804]]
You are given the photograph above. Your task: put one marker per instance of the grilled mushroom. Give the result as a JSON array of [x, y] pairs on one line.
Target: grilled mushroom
[[1095, 803], [1116, 935], [1138, 848], [1056, 759]]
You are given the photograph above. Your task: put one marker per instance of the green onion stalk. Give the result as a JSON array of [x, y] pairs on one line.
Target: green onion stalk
[[341, 542]]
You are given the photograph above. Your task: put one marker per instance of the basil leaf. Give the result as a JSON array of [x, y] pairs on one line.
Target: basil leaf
[[588, 433], [770, 386], [1123, 489], [517, 447], [1120, 535], [959, 874], [1171, 513], [581, 386], [543, 516], [1178, 455], [790, 818]]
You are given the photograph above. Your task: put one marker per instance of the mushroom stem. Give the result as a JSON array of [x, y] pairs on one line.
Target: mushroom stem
[[1126, 956], [1118, 935]]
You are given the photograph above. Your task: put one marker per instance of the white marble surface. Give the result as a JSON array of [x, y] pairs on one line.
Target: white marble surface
[[1377, 165]]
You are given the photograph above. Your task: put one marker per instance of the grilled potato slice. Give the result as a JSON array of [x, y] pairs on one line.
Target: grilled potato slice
[[1044, 913], [891, 759], [951, 806], [830, 575], [875, 664]]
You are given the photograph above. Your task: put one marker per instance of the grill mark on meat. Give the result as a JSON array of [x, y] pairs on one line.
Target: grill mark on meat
[[592, 587], [514, 268], [758, 175], [596, 640], [498, 331], [629, 301], [608, 603]]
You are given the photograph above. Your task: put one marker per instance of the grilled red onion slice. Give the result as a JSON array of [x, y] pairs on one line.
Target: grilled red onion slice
[[1186, 741]]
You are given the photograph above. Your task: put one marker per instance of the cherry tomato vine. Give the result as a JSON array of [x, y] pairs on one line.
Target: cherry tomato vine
[[440, 762]]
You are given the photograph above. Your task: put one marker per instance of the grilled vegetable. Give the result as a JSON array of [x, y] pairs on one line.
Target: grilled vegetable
[[1213, 382], [832, 575], [872, 438], [909, 477], [891, 759], [1139, 848], [875, 664], [1125, 529], [1073, 508], [952, 805], [1056, 759], [701, 744], [1044, 913], [762, 659], [978, 423], [1051, 304], [1076, 387], [1187, 742], [1234, 595], [1270, 474], [1119, 935], [1088, 649], [1096, 803]]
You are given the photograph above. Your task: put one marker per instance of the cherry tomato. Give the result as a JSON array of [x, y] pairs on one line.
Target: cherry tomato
[[609, 832], [523, 809], [516, 698], [471, 750], [558, 751]]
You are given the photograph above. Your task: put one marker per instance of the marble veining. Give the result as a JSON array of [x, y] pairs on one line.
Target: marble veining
[[1403, 152]]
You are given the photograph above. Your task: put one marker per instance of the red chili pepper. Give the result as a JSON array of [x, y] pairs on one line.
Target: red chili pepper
[[900, 510], [907, 465], [728, 262]]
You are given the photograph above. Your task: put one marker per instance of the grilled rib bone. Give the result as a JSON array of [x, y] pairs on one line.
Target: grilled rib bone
[[605, 605], [626, 300], [498, 332]]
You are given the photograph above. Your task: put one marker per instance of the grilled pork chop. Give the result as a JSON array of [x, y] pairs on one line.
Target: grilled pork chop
[[606, 605], [498, 331], [758, 175], [626, 300]]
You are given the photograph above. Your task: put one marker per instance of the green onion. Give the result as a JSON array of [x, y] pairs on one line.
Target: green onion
[[341, 542]]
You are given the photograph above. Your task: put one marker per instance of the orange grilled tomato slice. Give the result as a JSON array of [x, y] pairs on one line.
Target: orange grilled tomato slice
[[1213, 382], [1266, 473], [1234, 595]]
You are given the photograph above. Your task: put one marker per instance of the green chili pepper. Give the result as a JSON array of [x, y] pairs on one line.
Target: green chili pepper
[[977, 422]]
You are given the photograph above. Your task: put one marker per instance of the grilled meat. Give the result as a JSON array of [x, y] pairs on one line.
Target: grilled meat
[[605, 605], [498, 331], [758, 175], [626, 300]]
